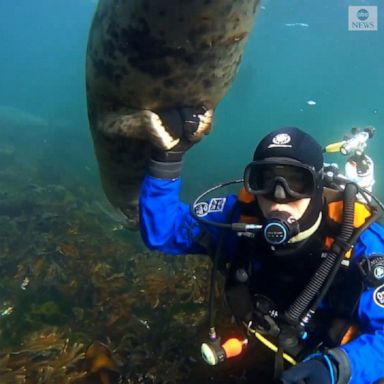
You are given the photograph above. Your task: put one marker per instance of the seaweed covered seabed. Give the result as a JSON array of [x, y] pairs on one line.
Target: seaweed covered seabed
[[81, 299]]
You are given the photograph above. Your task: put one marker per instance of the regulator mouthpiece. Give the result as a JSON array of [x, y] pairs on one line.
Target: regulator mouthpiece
[[280, 227]]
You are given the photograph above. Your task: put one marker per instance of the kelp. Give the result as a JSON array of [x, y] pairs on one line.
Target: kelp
[[45, 357], [82, 300]]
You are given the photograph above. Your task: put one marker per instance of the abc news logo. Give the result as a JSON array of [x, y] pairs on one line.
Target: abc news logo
[[362, 18]]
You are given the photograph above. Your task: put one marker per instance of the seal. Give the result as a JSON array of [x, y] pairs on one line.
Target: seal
[[145, 56]]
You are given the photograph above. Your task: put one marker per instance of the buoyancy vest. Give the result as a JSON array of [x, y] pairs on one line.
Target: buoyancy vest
[[277, 281]]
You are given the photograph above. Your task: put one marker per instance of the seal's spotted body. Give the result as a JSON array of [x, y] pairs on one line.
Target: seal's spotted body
[[149, 55]]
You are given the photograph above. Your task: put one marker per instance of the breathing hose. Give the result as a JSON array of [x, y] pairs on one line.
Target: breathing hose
[[211, 305], [324, 276]]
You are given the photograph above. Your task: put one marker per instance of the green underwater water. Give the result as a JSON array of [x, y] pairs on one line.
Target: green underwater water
[[68, 267], [283, 68]]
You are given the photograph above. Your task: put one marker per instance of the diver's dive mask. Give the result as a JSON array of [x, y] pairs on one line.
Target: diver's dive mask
[[281, 179]]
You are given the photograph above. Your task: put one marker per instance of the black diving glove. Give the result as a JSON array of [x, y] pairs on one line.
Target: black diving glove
[[172, 133], [319, 370]]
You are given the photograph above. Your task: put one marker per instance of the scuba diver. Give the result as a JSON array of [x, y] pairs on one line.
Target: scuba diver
[[299, 246]]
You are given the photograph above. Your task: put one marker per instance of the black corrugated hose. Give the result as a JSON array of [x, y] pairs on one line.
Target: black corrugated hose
[[324, 276]]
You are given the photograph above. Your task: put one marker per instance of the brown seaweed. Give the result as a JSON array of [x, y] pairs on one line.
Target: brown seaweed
[[71, 276]]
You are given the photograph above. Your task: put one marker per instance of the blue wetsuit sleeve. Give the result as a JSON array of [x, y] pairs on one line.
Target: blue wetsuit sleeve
[[166, 223], [366, 352]]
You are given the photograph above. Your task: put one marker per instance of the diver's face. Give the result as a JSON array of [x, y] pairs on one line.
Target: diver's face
[[296, 208]]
